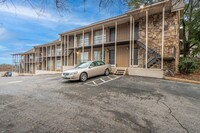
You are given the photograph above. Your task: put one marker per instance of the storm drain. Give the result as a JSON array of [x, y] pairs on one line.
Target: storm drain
[[102, 80]]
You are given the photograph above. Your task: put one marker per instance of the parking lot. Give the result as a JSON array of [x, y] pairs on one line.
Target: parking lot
[[114, 104]]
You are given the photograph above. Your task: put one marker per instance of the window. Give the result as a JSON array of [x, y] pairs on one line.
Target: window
[[84, 56], [112, 34], [100, 63], [112, 56], [58, 64], [92, 64], [98, 37], [48, 51], [86, 40], [97, 55], [135, 56], [58, 50]]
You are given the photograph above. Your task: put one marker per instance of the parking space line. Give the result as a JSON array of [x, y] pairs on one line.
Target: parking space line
[[14, 82], [93, 83], [102, 80], [109, 77]]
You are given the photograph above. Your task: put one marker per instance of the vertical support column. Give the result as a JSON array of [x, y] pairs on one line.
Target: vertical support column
[[55, 57], [130, 42], [163, 36], [42, 58], [26, 60], [92, 43], [12, 62], [35, 62], [24, 64], [29, 63], [16, 63], [19, 65], [46, 59], [146, 40], [67, 50], [32, 62], [83, 41], [116, 44], [61, 49], [64, 49], [74, 49], [133, 43], [102, 43], [50, 57]]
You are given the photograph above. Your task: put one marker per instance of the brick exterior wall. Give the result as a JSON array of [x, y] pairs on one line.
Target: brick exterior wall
[[171, 38]]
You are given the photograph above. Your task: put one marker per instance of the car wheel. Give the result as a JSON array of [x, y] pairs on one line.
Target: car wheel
[[83, 77], [107, 72]]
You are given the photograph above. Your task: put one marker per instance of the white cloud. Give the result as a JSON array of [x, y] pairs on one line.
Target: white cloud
[[46, 17], [3, 48], [4, 34], [24, 11], [31, 45]]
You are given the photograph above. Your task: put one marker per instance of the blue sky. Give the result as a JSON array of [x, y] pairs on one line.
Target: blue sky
[[23, 26]]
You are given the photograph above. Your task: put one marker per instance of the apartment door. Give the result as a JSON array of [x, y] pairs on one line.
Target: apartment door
[[112, 34], [123, 56], [112, 57]]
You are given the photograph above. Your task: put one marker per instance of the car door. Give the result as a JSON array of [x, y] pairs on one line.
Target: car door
[[92, 70], [101, 67], [97, 68]]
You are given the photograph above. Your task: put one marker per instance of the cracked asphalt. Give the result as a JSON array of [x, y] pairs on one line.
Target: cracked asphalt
[[46, 103]]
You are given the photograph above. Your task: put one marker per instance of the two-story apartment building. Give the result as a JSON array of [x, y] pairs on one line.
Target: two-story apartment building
[[144, 41]]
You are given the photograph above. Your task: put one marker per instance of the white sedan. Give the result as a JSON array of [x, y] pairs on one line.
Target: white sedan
[[86, 70]]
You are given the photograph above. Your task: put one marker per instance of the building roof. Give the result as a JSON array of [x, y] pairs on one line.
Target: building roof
[[31, 51], [156, 6], [50, 43]]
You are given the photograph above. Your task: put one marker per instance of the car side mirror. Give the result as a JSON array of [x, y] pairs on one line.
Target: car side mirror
[[90, 66]]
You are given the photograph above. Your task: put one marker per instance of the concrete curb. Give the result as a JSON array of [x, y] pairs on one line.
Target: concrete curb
[[182, 80]]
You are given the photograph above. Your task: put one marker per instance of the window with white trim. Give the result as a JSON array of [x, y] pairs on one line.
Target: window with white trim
[[97, 55], [98, 37], [86, 40], [84, 56]]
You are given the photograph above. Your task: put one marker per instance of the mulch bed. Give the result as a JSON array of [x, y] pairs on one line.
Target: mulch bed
[[194, 76]]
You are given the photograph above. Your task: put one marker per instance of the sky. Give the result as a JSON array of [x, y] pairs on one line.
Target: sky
[[24, 25]]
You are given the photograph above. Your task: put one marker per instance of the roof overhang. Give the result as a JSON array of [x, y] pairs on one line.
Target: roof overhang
[[137, 13], [48, 44]]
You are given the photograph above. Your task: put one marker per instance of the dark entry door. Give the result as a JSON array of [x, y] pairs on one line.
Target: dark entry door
[[112, 34], [135, 56], [112, 56]]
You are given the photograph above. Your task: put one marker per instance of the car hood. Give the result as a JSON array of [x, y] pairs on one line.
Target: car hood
[[74, 70]]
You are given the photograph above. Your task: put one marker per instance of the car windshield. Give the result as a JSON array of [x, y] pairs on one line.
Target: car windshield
[[83, 65]]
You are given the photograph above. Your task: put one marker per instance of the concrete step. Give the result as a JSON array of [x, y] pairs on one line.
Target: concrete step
[[120, 71]]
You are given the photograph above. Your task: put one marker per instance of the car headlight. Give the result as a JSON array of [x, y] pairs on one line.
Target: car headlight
[[73, 73]]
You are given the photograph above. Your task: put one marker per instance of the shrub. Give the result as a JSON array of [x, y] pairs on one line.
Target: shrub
[[188, 65]]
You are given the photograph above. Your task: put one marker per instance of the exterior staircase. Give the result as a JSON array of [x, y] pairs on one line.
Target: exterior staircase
[[120, 71], [154, 55]]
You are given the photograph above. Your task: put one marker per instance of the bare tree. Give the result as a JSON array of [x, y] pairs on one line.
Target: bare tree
[[63, 6]]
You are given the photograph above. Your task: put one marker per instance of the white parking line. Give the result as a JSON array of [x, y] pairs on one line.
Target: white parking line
[[109, 77], [102, 80], [93, 83], [13, 82]]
